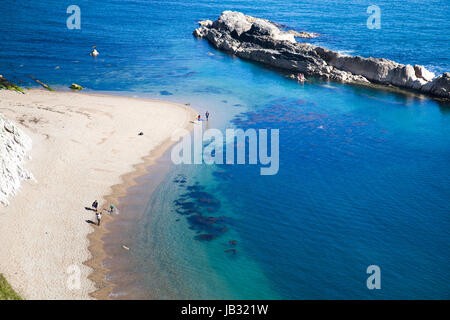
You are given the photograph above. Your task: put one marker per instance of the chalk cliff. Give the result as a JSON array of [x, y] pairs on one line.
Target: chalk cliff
[[14, 145]]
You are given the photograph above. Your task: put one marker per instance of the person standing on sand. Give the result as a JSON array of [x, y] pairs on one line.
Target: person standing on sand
[[99, 218], [199, 117], [95, 205], [207, 115]]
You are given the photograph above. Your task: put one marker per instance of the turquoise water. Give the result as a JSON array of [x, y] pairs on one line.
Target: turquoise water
[[364, 174]]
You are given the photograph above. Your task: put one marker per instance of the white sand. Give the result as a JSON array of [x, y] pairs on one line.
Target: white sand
[[82, 144]]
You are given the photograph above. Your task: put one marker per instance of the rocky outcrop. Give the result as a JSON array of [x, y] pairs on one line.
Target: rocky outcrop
[[439, 86], [14, 145], [8, 85], [262, 40]]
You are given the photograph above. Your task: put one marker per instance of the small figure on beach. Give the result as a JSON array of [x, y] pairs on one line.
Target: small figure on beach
[[111, 208], [99, 218], [94, 52], [300, 77], [95, 205], [207, 115], [199, 117]]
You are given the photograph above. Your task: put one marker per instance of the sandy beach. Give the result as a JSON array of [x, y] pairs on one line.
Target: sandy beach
[[84, 147]]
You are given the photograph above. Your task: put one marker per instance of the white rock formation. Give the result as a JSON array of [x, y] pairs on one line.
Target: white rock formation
[[14, 145], [262, 41]]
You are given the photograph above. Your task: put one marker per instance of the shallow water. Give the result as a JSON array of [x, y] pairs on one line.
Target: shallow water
[[364, 174]]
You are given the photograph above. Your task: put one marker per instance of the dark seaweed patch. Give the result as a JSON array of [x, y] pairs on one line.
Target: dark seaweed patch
[[212, 90], [205, 237], [281, 113], [198, 206], [190, 74], [180, 179]]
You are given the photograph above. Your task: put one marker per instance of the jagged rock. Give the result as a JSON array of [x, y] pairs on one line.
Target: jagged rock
[[262, 41], [265, 28], [14, 145], [205, 23], [230, 21], [422, 72], [440, 86]]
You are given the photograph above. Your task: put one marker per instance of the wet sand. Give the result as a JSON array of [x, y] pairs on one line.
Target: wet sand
[[111, 245]]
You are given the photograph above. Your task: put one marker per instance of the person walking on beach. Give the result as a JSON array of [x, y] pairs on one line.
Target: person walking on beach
[[111, 209], [95, 205], [99, 218], [207, 115], [199, 117]]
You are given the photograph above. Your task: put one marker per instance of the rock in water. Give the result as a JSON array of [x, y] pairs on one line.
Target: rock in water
[[262, 41], [75, 86], [6, 84], [205, 23], [422, 72], [14, 145], [439, 86]]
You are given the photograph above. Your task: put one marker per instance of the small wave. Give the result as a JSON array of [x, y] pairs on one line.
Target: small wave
[[346, 52], [438, 70]]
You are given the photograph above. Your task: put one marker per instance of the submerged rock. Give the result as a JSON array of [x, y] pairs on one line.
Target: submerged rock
[[206, 237], [262, 41], [41, 83]]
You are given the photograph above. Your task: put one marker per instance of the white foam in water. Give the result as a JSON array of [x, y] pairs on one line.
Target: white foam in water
[[346, 52], [14, 145]]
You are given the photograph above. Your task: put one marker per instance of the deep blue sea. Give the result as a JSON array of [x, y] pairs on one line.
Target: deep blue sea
[[364, 174]]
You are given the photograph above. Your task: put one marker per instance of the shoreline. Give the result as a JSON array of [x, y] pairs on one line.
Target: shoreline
[[76, 242], [96, 238]]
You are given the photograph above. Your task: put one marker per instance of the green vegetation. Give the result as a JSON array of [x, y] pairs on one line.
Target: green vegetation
[[6, 292], [75, 86], [41, 83], [5, 84]]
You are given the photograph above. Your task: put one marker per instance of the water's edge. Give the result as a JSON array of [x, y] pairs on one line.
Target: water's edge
[[99, 238]]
